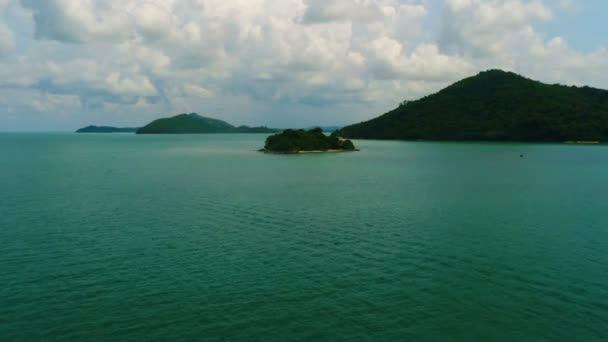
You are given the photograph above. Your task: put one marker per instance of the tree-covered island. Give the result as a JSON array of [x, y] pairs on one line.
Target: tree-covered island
[[193, 123], [106, 129], [293, 141]]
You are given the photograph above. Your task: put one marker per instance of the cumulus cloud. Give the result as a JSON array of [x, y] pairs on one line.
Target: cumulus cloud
[[77, 21], [319, 11], [328, 62], [7, 40], [493, 33], [7, 37], [481, 28], [388, 61]]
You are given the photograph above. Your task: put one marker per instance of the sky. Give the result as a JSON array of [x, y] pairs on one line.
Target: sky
[[65, 64]]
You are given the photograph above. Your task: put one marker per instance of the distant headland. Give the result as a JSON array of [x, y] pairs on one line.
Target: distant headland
[[293, 141], [191, 123], [495, 106], [196, 124], [107, 129]]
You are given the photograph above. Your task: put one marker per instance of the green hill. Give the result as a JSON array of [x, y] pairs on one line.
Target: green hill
[[495, 106], [106, 129], [193, 123]]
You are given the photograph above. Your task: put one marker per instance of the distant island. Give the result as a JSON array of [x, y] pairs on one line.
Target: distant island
[[106, 129], [194, 124], [495, 106], [306, 141], [327, 129]]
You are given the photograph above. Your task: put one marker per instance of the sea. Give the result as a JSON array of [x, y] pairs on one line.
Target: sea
[[122, 237]]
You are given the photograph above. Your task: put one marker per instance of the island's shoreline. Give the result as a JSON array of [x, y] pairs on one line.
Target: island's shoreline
[[306, 152]]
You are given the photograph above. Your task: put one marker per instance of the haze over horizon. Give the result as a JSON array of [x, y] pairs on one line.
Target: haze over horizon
[[65, 64]]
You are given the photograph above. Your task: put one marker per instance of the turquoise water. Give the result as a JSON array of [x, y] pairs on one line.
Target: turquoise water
[[124, 237]]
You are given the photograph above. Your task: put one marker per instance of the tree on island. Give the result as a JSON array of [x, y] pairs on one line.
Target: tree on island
[[294, 141]]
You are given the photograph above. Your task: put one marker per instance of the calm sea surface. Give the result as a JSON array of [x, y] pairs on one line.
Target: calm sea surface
[[125, 237]]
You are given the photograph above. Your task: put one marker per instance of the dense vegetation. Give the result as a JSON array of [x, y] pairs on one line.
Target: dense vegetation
[[495, 106], [294, 141], [193, 123], [106, 129]]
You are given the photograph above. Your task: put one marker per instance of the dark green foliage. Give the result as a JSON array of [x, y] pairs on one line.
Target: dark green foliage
[[247, 129], [495, 106], [348, 145], [293, 141], [193, 123], [106, 129]]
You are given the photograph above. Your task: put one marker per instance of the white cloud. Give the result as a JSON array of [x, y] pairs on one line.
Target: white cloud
[[153, 21], [7, 37], [7, 40], [387, 60], [78, 21], [319, 11], [330, 61], [481, 28], [502, 34]]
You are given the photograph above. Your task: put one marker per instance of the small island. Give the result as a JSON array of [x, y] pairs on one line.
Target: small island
[[107, 129], [293, 141]]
